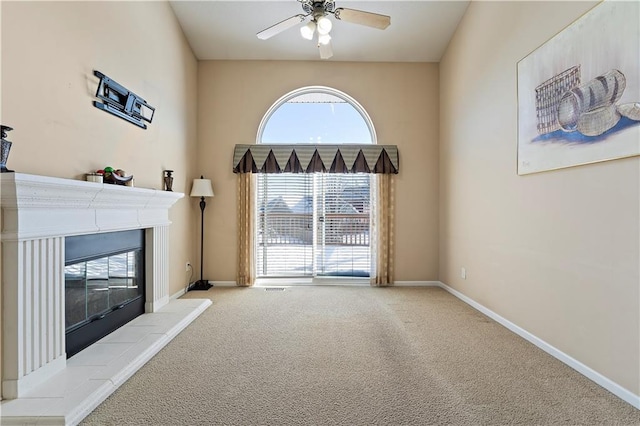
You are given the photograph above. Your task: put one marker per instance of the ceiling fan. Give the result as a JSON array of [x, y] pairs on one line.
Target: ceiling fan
[[316, 13]]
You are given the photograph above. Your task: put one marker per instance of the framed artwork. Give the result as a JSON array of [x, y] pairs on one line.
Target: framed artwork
[[579, 93]]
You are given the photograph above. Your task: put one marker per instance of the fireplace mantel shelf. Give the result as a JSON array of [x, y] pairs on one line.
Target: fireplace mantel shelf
[[40, 206]]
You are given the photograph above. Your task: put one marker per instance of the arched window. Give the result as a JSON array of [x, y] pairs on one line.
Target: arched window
[[312, 225], [316, 114]]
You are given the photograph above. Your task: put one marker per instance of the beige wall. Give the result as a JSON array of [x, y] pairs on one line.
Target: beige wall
[[402, 101], [49, 52], [557, 253]]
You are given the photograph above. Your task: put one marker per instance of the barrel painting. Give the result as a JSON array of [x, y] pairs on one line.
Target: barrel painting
[[601, 92]]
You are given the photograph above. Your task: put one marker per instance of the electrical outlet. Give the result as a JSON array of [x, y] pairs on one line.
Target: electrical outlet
[[463, 273], [188, 267]]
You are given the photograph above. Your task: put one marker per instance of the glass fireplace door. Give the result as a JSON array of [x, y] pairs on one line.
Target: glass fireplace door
[[104, 289], [97, 286]]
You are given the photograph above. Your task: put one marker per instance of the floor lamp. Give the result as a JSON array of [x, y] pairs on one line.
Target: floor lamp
[[201, 188]]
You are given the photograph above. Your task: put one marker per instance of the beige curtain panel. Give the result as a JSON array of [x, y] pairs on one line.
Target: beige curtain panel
[[312, 158], [383, 218], [245, 275]]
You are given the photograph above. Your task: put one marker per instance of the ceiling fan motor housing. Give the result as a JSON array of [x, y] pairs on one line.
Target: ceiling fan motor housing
[[318, 8]]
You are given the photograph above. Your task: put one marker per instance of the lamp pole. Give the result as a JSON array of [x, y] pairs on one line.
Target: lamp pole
[[201, 188], [203, 204]]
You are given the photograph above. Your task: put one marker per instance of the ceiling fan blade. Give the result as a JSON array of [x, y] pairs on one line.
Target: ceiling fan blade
[[326, 51], [281, 26], [363, 18]]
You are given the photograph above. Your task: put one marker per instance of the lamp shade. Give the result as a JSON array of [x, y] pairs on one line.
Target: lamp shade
[[307, 30], [324, 39], [324, 25], [201, 188]]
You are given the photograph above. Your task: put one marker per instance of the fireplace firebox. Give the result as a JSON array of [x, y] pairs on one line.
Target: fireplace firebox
[[104, 285]]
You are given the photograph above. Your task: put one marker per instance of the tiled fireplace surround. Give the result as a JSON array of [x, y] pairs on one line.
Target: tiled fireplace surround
[[37, 214]]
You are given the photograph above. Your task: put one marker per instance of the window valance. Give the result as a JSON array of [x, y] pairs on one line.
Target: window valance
[[311, 158]]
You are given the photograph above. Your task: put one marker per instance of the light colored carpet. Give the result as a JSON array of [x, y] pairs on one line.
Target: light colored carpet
[[353, 356]]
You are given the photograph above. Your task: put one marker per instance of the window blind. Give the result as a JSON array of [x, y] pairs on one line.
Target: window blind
[[313, 225], [342, 240], [285, 225]]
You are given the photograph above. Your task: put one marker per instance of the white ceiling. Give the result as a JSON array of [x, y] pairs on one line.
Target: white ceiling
[[226, 30]]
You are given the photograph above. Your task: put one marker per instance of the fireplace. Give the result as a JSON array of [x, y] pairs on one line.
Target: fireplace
[[39, 215], [104, 285]]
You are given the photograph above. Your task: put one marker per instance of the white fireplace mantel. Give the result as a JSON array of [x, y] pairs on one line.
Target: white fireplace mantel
[[39, 207], [38, 212]]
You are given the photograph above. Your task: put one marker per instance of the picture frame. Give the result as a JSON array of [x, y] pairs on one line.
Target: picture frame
[[579, 93]]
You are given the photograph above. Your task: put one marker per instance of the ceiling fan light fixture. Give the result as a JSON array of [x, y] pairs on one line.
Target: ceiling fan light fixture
[[316, 14], [324, 39], [324, 25], [306, 31]]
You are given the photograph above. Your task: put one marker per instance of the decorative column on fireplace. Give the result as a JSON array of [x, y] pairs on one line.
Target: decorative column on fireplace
[[38, 214]]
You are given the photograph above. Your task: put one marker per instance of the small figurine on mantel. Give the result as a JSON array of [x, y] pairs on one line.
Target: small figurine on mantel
[[168, 180], [5, 147]]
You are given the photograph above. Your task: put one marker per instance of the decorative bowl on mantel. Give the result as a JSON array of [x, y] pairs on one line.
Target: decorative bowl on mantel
[[116, 177]]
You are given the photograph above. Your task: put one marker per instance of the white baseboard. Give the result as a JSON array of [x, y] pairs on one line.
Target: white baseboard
[[416, 284], [223, 283], [183, 291], [586, 371], [178, 294]]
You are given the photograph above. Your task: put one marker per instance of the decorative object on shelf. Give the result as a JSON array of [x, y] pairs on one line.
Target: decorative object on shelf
[[122, 102], [94, 177], [201, 188], [116, 177], [168, 180], [4, 149]]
